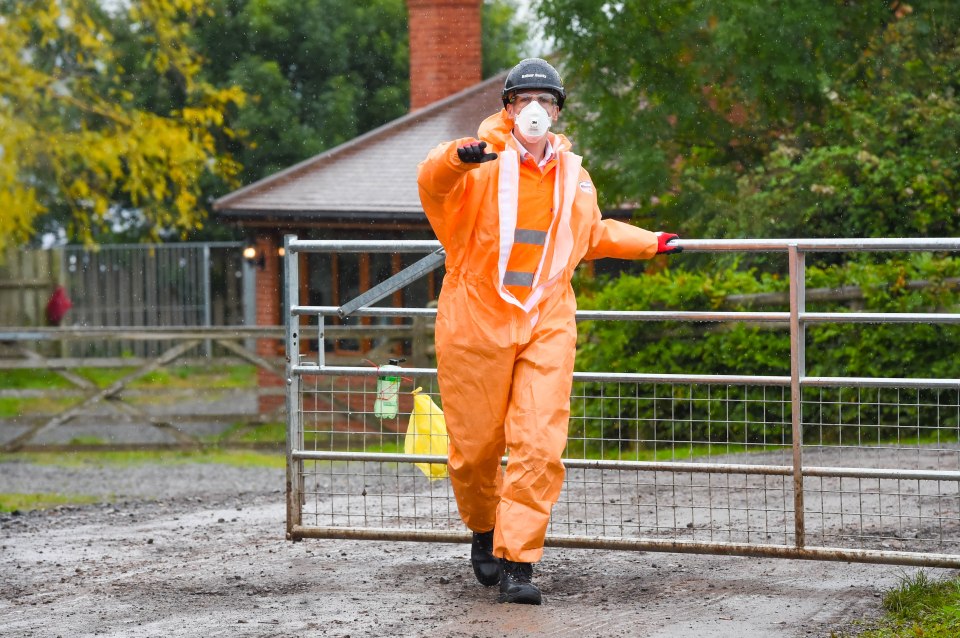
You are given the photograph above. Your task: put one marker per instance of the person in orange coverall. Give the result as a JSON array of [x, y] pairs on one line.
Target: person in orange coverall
[[516, 213]]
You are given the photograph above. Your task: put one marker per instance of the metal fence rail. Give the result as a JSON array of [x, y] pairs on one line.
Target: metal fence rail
[[828, 468]]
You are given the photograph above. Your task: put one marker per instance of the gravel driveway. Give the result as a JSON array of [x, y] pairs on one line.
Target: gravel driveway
[[199, 550]]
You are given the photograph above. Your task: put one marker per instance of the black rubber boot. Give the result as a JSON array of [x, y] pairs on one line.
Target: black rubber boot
[[486, 566], [515, 585]]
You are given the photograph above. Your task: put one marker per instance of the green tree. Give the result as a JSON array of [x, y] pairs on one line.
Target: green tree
[[504, 38], [687, 98], [81, 148], [318, 73], [322, 72], [882, 161]]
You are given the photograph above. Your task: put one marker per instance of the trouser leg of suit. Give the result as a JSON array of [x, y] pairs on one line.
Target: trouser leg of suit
[[474, 407], [498, 395], [536, 434]]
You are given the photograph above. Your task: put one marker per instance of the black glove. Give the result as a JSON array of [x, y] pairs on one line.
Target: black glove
[[663, 244], [472, 153]]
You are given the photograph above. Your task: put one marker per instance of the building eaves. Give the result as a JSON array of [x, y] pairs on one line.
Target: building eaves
[[373, 173]]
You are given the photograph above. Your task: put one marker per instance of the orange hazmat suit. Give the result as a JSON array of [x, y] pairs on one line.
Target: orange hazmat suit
[[505, 329]]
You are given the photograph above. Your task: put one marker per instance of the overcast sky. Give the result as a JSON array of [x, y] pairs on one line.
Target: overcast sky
[[538, 45]]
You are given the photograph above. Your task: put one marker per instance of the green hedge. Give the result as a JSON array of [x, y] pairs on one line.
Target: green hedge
[[756, 415]]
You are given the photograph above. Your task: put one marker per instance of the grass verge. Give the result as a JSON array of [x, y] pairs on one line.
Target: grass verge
[[173, 376], [207, 379], [919, 607], [576, 449], [239, 458], [246, 433], [12, 502]]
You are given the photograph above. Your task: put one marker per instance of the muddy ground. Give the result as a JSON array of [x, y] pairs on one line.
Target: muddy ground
[[199, 550]]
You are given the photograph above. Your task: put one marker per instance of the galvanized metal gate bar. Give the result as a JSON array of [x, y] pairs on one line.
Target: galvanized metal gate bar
[[366, 493], [291, 288], [797, 266], [392, 284]]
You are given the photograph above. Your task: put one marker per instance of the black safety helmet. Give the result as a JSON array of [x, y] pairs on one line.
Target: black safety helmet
[[533, 73]]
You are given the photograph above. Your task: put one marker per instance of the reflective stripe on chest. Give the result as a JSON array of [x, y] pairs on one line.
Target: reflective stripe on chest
[[557, 242]]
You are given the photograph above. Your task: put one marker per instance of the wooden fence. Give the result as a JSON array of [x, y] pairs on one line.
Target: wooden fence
[[129, 285], [27, 279]]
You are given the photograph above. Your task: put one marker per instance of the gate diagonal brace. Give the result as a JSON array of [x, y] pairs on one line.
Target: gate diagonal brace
[[168, 356], [75, 379], [246, 355], [165, 425], [392, 284]]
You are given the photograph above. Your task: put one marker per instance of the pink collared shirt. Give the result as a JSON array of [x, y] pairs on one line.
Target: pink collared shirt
[[548, 153]]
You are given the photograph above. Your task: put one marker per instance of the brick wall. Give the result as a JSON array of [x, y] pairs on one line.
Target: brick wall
[[445, 52], [268, 314]]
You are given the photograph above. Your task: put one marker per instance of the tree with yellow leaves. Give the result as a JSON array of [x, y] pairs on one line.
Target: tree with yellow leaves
[[78, 146]]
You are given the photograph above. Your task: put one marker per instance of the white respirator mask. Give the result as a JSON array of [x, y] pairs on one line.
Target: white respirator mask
[[533, 121]]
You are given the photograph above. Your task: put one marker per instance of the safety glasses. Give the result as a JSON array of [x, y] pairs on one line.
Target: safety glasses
[[523, 99]]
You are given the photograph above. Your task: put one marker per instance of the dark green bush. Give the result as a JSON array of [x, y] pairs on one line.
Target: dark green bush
[[639, 415]]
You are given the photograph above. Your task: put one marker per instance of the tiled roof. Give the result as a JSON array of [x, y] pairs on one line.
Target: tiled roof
[[373, 176]]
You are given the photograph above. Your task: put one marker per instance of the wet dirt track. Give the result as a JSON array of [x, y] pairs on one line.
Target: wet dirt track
[[202, 559]]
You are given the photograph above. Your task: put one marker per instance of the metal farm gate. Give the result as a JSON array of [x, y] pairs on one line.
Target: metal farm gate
[[839, 468]]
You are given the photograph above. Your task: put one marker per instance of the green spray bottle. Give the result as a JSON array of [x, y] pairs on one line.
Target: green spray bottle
[[388, 389]]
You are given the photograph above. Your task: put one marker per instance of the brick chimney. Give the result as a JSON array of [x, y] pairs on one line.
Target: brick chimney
[[444, 48]]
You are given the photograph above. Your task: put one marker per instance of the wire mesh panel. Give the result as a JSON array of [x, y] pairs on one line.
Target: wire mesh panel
[[666, 462], [875, 454], [655, 425], [338, 416], [882, 427], [913, 515], [676, 421], [675, 506], [794, 466]]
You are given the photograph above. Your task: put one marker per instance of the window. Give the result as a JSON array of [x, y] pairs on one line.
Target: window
[[335, 278]]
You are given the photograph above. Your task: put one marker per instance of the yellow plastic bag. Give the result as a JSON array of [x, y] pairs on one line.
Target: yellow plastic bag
[[427, 434]]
